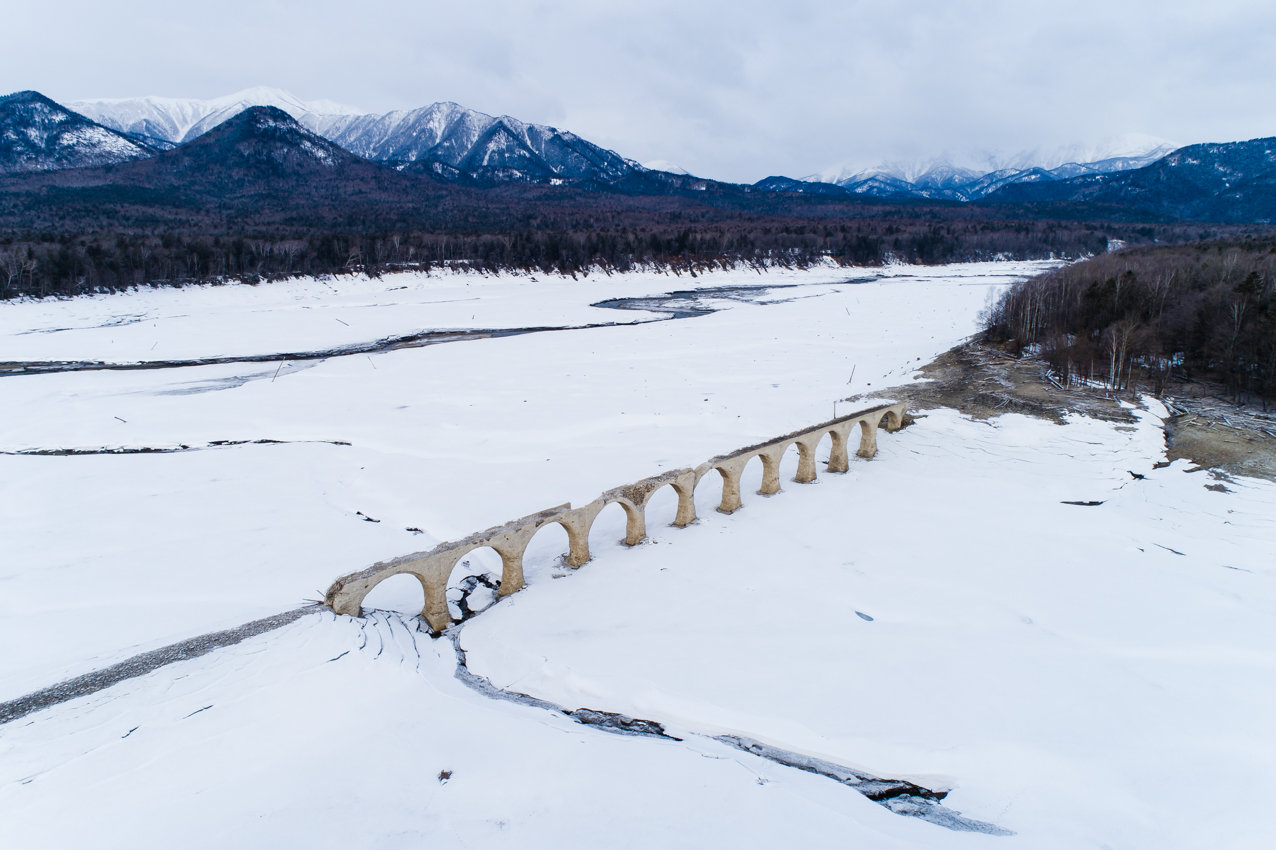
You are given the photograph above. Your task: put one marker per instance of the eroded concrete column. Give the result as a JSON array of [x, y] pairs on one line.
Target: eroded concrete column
[[730, 473], [771, 470], [686, 490], [577, 545], [577, 525], [806, 459], [838, 461], [435, 612], [635, 523], [868, 438], [511, 567]]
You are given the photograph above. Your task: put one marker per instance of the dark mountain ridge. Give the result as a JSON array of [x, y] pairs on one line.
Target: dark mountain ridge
[[1233, 182], [37, 134]]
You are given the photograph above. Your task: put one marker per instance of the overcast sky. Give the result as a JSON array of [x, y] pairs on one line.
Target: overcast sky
[[733, 90]]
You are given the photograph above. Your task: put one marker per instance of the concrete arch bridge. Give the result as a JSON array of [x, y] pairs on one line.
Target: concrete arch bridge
[[434, 568]]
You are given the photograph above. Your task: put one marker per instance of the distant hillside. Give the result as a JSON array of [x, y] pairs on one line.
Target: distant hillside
[[1234, 182], [37, 134], [941, 180]]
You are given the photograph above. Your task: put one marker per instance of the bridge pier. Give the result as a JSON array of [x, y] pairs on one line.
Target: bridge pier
[[771, 469], [730, 472], [577, 524], [685, 487], [635, 522], [868, 438], [838, 460], [806, 459]]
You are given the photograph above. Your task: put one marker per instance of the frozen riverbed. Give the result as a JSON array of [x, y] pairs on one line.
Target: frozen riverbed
[[447, 439], [1081, 675]]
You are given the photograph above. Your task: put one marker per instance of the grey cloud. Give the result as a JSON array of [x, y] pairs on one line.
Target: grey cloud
[[734, 90]]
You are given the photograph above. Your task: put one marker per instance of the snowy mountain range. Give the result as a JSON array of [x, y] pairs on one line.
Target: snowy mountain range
[[454, 143], [1230, 182], [445, 139], [940, 179], [37, 134], [169, 121]]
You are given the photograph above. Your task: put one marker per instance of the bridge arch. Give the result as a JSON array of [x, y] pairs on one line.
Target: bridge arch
[[822, 449], [868, 435], [672, 503], [771, 456], [616, 521], [483, 563], [729, 473], [552, 540], [403, 592]]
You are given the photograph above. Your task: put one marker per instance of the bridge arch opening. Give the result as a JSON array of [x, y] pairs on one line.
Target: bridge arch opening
[[751, 477], [824, 451], [662, 507], [609, 528], [708, 493], [789, 464], [401, 593], [474, 581], [547, 550]]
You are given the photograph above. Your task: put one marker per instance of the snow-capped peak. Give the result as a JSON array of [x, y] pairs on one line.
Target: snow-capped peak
[[665, 165], [288, 102], [1131, 146], [177, 120], [1126, 151]]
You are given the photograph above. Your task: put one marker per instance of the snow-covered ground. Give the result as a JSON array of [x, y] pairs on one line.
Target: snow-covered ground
[[143, 550], [1062, 668]]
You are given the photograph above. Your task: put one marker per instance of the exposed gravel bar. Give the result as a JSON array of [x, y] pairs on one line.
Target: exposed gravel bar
[[140, 665]]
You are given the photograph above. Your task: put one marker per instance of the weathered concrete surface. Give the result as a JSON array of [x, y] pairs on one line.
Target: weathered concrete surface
[[434, 568]]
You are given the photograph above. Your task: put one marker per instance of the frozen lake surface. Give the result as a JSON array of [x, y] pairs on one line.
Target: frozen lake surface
[[1082, 676]]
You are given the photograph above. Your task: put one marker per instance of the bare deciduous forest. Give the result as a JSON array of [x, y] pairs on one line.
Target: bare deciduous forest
[[1152, 314], [72, 261]]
